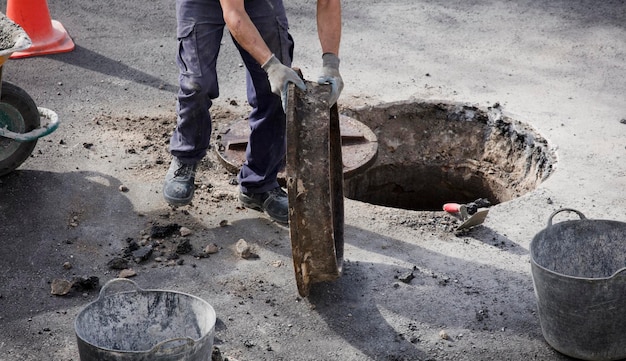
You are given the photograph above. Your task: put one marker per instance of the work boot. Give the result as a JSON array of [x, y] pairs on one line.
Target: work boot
[[274, 202], [178, 187]]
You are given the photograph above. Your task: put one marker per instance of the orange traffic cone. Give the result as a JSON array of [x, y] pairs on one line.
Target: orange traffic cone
[[48, 36]]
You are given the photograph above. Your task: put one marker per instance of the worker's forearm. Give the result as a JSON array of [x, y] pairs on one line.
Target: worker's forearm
[[329, 25], [244, 31]]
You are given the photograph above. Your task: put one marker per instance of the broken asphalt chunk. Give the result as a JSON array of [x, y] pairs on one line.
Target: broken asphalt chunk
[[163, 231]]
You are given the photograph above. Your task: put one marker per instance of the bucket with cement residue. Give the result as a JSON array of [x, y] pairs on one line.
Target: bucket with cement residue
[[127, 323], [579, 275]]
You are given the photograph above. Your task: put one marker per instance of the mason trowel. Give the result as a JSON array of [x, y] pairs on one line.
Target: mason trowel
[[471, 214]]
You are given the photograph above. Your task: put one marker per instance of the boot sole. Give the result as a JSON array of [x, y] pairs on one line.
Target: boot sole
[[251, 203]]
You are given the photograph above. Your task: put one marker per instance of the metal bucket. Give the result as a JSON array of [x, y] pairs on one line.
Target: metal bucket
[[578, 270], [142, 325]]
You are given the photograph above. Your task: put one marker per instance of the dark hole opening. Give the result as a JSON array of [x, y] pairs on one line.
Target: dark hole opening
[[430, 154]]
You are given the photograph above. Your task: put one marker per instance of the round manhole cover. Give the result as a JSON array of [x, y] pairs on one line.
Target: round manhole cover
[[358, 145]]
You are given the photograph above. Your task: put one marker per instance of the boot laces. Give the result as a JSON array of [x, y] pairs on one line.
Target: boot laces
[[184, 170]]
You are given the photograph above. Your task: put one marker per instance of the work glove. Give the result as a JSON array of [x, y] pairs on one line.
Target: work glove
[[280, 76], [330, 75]]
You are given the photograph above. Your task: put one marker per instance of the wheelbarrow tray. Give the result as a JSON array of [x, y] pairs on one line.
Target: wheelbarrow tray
[[12, 38]]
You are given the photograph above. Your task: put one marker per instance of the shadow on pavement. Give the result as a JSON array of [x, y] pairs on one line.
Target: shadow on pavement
[[388, 319], [45, 218], [93, 61]]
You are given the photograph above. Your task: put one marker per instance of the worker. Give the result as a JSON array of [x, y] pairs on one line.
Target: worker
[[259, 29]]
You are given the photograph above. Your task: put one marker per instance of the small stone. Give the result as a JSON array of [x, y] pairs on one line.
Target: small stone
[[67, 265], [123, 188], [184, 247], [163, 231], [277, 263], [407, 277], [127, 273], [223, 223], [60, 287], [200, 255], [211, 248], [143, 253], [216, 355], [85, 284], [118, 263], [244, 250], [158, 259], [444, 335], [184, 231]]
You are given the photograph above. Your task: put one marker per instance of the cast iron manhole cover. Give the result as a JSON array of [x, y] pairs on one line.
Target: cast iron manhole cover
[[358, 144]]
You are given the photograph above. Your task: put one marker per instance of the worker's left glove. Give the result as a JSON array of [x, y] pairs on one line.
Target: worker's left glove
[[330, 75], [280, 76]]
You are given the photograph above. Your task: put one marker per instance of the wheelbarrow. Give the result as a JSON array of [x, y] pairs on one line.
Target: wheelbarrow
[[20, 118]]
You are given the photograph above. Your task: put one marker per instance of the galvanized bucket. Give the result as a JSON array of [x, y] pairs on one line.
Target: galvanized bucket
[[579, 275], [127, 323]]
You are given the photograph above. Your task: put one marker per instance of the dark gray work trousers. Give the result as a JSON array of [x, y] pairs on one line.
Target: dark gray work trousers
[[200, 26]]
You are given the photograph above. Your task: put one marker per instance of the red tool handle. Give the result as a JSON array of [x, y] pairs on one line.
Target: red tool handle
[[452, 207]]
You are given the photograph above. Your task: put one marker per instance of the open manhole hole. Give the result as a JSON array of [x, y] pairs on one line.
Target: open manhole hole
[[433, 153]]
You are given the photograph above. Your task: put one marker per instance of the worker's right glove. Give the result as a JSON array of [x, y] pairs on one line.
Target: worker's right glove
[[280, 76]]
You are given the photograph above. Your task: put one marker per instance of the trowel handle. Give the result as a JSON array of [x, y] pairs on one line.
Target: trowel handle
[[118, 285], [452, 207], [582, 216]]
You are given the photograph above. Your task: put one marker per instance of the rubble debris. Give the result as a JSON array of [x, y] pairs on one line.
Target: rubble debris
[[277, 263], [60, 287], [207, 251], [406, 277], [127, 273], [118, 263], [85, 284], [184, 231], [216, 355], [211, 248], [132, 247], [244, 250], [201, 254], [143, 253], [163, 231], [184, 247]]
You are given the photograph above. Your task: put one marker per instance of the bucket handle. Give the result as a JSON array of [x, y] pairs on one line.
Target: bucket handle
[[173, 343], [119, 285], [582, 216]]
